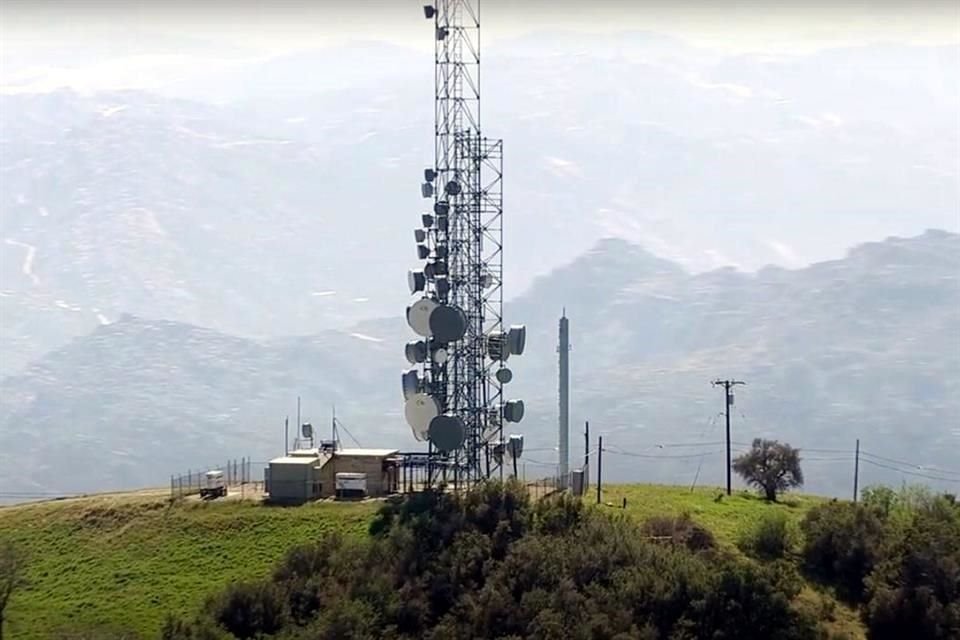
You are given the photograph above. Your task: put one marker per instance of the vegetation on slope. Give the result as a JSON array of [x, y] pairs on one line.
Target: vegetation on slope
[[491, 564]]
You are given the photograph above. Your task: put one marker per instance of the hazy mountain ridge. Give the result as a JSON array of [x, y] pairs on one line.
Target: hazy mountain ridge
[[867, 346], [243, 216]]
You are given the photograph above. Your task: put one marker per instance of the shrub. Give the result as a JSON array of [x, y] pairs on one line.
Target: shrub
[[771, 538], [842, 543], [915, 591], [680, 530], [249, 609]]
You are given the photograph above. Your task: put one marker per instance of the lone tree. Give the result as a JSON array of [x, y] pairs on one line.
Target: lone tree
[[11, 576], [771, 466]]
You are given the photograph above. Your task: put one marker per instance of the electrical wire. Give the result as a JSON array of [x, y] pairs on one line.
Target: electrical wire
[[932, 468], [910, 473], [663, 457]]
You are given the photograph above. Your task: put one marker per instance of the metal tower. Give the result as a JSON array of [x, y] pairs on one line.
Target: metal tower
[[563, 349], [454, 395]]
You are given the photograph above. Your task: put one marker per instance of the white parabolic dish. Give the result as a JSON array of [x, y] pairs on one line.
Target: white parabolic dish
[[419, 410], [418, 316]]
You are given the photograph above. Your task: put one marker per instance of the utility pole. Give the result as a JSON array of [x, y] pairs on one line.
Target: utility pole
[[586, 454], [564, 393], [856, 472], [728, 398], [599, 466]]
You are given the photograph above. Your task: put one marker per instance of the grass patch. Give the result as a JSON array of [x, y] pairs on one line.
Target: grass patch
[[125, 562], [729, 519]]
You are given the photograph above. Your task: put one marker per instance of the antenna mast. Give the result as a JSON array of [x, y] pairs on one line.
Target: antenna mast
[[454, 395]]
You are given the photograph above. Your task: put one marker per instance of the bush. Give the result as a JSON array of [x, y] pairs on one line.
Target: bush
[[771, 538], [842, 543], [915, 591], [680, 530], [249, 609]]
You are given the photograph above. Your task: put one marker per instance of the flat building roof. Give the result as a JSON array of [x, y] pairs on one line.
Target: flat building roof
[[294, 460], [367, 453]]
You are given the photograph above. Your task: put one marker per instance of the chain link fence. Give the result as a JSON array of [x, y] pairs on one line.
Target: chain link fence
[[238, 475]]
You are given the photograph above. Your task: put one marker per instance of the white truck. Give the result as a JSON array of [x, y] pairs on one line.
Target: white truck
[[214, 485]]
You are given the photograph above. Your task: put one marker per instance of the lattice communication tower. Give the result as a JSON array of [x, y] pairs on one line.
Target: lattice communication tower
[[454, 397]]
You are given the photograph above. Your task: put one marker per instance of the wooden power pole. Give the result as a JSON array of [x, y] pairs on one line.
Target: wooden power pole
[[856, 472], [586, 454], [599, 466], [728, 400]]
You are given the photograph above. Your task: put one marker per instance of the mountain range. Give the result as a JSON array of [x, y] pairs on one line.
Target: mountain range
[[867, 346], [279, 198]]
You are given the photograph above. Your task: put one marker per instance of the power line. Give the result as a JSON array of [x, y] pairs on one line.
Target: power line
[[911, 464], [661, 457], [909, 473]]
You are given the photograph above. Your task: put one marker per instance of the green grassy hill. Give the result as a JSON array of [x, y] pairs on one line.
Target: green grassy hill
[[126, 560]]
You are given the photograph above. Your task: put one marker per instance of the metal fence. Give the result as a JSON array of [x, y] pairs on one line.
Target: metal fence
[[237, 474]]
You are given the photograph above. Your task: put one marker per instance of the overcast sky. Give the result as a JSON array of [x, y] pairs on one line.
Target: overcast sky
[[281, 25]]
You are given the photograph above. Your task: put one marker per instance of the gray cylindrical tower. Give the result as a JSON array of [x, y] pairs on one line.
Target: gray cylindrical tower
[[564, 441]]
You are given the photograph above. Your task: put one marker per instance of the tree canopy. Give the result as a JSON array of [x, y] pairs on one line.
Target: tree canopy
[[771, 466]]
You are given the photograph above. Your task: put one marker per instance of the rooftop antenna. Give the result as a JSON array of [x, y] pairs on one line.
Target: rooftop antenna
[[335, 434], [454, 392]]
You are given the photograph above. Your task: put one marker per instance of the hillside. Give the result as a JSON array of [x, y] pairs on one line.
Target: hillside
[[862, 347], [124, 561]]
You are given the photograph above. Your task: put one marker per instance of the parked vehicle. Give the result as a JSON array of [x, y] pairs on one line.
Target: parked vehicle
[[214, 485]]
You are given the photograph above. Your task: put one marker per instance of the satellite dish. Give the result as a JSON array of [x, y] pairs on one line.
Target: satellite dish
[[422, 252], [504, 375], [452, 188], [411, 383], [306, 430], [440, 356], [426, 190], [416, 280], [419, 410], [420, 234], [515, 446], [447, 323], [416, 351], [513, 411], [517, 339], [418, 316], [447, 433]]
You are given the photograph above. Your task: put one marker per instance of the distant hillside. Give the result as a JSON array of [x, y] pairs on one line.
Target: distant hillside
[[864, 347], [285, 207]]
